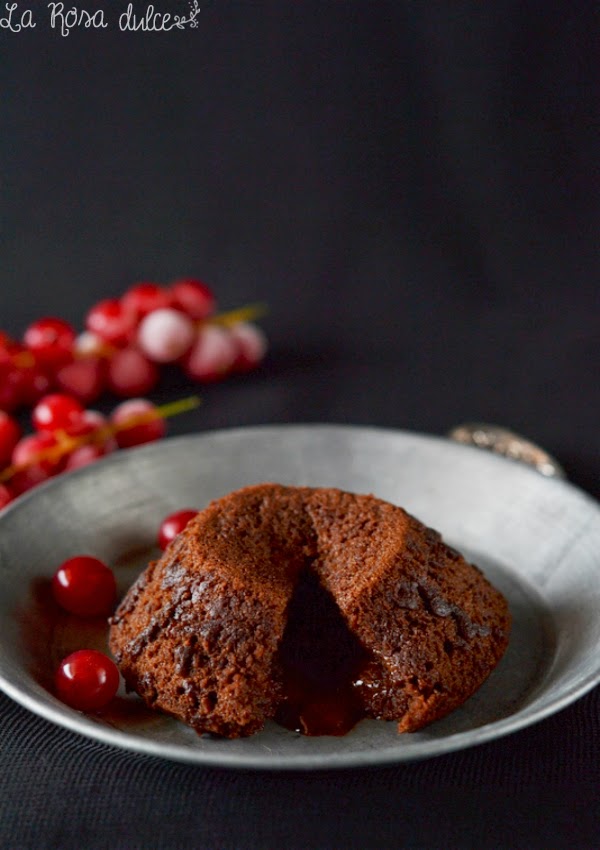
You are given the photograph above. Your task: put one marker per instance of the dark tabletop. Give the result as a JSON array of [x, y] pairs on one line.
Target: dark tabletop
[[413, 190]]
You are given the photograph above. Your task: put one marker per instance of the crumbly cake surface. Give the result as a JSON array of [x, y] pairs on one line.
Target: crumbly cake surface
[[204, 634]]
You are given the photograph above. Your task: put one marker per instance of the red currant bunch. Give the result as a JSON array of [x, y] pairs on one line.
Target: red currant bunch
[[122, 350]]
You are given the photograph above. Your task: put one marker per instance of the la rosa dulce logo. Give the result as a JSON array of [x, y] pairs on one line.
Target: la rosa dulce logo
[[64, 18]]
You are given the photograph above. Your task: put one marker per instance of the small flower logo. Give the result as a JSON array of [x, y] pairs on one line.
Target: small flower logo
[[181, 22], [195, 11]]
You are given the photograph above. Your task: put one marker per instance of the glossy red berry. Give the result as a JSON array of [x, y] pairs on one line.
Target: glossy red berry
[[87, 680], [111, 321], [10, 433], [137, 422], [85, 586], [83, 379], [56, 412], [194, 298], [143, 298], [51, 341], [130, 373], [173, 525]]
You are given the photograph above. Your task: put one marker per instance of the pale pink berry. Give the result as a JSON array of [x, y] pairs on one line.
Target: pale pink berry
[[251, 344], [212, 356], [165, 335]]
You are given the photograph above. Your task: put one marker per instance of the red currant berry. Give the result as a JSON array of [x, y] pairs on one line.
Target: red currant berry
[[98, 440], [83, 456], [137, 422], [252, 346], [11, 387], [131, 374], [83, 379], [85, 586], [143, 298], [88, 344], [38, 451], [87, 680], [27, 478], [56, 412], [173, 525], [35, 384], [194, 298], [51, 341], [90, 421], [165, 335], [111, 321], [212, 356], [5, 496], [10, 433]]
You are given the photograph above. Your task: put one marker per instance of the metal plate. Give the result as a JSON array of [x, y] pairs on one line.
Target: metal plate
[[537, 539]]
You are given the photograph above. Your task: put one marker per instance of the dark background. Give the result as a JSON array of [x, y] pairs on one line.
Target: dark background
[[413, 190]]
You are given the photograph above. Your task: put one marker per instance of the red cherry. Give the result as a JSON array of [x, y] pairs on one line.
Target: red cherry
[[51, 341], [85, 586], [128, 414], [194, 298], [143, 298], [56, 412], [173, 525], [111, 321], [5, 496], [10, 432], [84, 379], [87, 680], [131, 374]]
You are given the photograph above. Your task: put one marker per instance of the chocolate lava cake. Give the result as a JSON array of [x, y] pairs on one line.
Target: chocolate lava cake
[[312, 606]]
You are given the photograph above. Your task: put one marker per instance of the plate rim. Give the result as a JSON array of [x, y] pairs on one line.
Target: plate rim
[[50, 709]]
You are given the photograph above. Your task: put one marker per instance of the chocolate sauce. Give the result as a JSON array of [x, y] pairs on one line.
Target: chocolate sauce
[[321, 662]]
